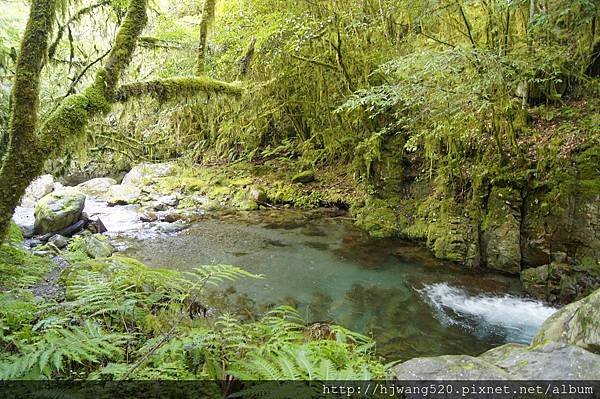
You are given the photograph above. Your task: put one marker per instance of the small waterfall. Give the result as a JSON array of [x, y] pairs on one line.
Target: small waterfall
[[510, 318]]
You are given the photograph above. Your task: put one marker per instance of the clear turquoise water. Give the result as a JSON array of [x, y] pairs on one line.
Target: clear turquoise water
[[410, 303]]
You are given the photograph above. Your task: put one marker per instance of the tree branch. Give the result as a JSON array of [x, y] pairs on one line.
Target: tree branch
[[76, 17], [169, 88]]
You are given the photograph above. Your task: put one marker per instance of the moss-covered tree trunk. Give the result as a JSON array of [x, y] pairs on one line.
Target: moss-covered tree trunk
[[31, 143], [29, 147], [22, 159], [208, 13]]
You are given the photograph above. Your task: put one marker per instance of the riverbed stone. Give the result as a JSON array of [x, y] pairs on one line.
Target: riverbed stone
[[577, 323], [98, 246], [123, 194], [58, 241], [143, 173], [97, 187], [38, 188], [58, 210], [450, 367]]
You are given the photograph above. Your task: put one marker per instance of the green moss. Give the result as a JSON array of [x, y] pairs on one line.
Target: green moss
[[304, 177], [14, 234], [377, 217]]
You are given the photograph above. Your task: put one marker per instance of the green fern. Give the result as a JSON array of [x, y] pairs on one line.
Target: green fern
[[60, 349]]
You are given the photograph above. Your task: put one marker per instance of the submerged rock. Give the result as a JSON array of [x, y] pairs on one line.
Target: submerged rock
[[98, 246], [144, 172], [97, 187], [58, 210], [38, 188]]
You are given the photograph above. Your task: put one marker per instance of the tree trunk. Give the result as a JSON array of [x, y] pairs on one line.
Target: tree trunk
[[22, 162], [208, 13]]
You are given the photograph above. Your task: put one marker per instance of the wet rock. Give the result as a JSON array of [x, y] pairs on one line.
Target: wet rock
[[98, 246], [143, 173], [123, 194], [174, 227], [58, 241], [97, 187], [58, 210], [304, 177], [577, 323], [451, 367], [38, 189]]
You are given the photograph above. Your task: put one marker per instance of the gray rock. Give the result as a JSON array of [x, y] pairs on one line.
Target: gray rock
[[141, 174], [97, 187], [58, 241], [58, 210], [98, 246], [174, 227], [257, 194], [553, 361], [451, 367], [577, 323], [123, 194], [38, 189]]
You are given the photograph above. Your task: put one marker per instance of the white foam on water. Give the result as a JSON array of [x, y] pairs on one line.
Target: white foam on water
[[517, 319]]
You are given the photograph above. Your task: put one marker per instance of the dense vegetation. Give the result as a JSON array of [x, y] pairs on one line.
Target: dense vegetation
[[471, 125]]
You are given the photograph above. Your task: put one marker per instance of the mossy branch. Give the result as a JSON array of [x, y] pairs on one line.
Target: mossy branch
[[169, 88]]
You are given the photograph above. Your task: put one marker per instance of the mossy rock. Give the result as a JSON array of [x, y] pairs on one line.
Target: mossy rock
[[577, 323], [98, 246], [58, 210], [304, 177], [377, 218]]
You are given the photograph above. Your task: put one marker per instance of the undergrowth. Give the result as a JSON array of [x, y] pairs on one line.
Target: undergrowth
[[121, 319]]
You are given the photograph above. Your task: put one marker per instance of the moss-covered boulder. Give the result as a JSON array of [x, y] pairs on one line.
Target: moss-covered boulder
[[143, 173], [97, 187], [304, 177], [577, 323], [58, 210], [98, 246]]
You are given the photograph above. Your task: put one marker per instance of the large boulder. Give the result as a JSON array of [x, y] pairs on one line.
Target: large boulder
[[38, 188], [123, 194], [58, 210], [553, 361], [143, 173], [577, 323], [97, 187], [450, 367]]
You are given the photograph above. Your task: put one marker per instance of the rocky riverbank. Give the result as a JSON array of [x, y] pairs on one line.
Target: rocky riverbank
[[566, 347]]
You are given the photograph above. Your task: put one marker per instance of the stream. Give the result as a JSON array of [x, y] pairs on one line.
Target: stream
[[394, 291], [410, 303]]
